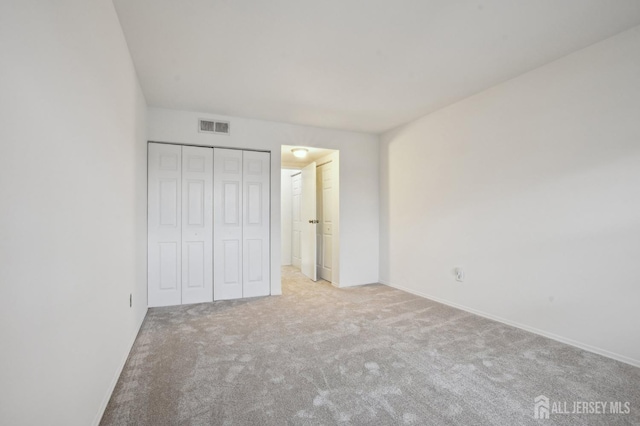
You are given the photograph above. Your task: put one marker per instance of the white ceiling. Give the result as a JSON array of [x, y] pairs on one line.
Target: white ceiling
[[357, 65], [293, 162]]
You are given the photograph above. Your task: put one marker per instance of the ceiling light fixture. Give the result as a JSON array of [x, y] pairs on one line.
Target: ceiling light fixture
[[300, 152]]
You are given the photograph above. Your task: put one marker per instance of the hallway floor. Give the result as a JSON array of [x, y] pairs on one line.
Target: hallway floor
[[362, 356]]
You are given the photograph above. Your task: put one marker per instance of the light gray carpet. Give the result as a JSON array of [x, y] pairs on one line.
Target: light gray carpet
[[369, 355]]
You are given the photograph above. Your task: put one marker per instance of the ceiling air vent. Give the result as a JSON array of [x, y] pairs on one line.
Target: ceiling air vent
[[210, 126]]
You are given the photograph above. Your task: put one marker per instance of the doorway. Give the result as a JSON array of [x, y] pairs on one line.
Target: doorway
[[310, 211]]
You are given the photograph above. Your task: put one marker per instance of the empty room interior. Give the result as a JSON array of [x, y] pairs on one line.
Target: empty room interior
[[314, 213]]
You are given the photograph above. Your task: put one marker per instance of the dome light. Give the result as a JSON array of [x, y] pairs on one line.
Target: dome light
[[300, 152]]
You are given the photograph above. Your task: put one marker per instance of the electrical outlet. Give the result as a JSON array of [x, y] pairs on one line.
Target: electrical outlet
[[130, 300], [459, 272]]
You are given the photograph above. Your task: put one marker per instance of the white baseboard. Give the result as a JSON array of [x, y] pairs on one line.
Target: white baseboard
[[355, 285], [114, 381], [580, 345]]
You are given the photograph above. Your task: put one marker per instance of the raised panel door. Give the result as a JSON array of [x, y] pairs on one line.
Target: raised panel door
[[197, 224], [255, 200], [227, 224], [326, 221], [308, 235], [164, 221], [296, 182]]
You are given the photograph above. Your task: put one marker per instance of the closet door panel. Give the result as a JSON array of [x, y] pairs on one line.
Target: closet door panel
[[255, 197], [164, 225], [227, 224], [197, 224]]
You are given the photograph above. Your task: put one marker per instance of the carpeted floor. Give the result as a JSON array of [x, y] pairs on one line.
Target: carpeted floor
[[369, 355]]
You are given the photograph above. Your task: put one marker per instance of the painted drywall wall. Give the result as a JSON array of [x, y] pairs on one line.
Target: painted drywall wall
[[532, 188], [286, 213], [72, 209], [359, 179]]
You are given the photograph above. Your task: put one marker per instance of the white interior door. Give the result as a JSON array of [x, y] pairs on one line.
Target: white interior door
[[197, 224], [319, 241], [325, 227], [227, 224], [164, 225], [308, 232], [255, 258], [296, 182]]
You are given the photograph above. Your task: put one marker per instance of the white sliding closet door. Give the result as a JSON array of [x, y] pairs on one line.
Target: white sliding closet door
[[256, 176], [164, 225], [197, 224], [227, 223]]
